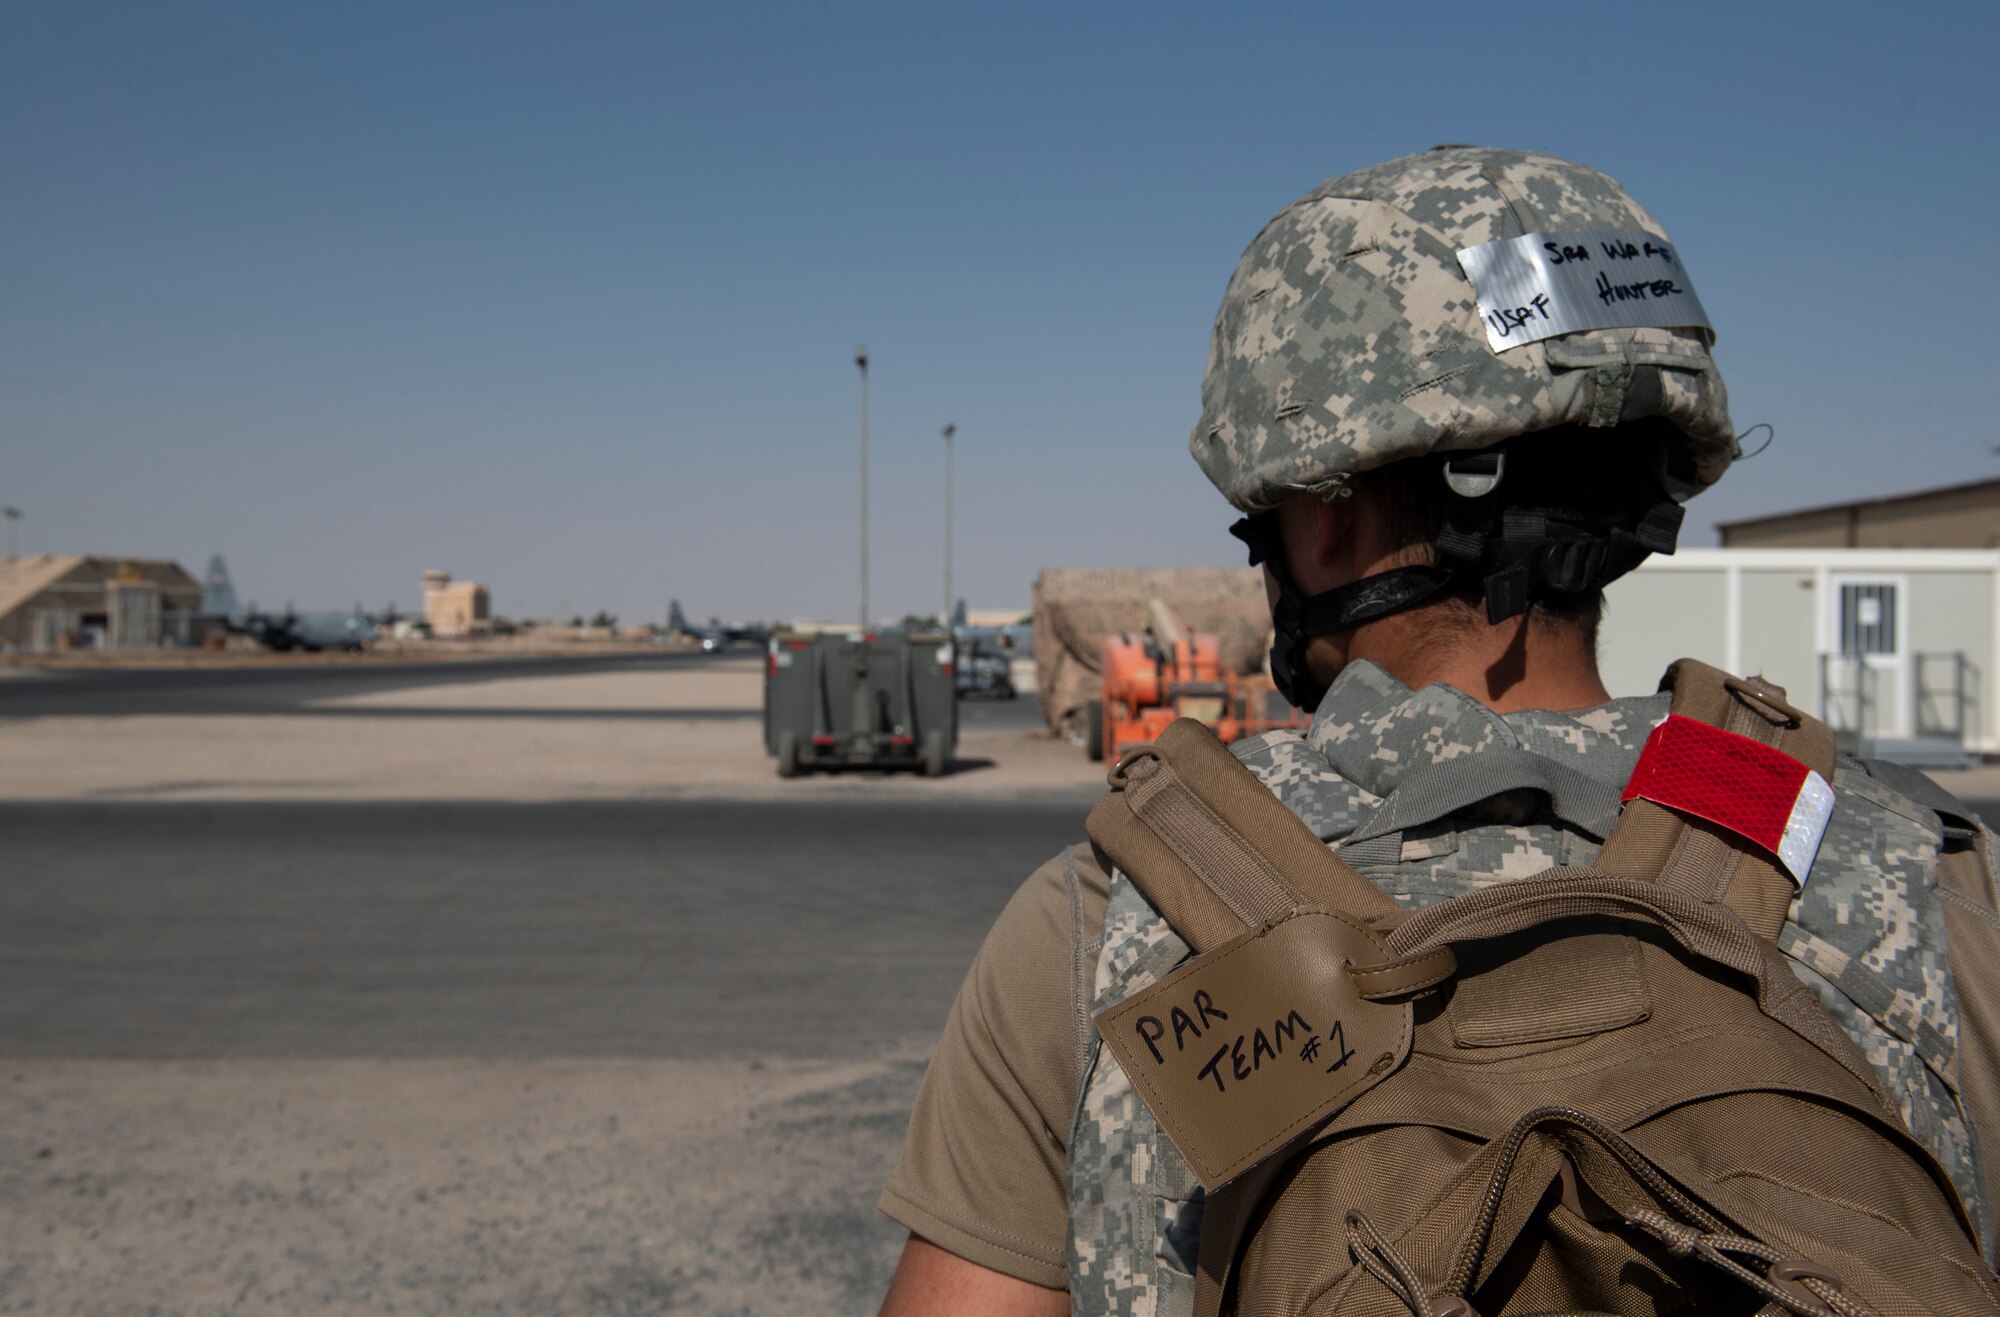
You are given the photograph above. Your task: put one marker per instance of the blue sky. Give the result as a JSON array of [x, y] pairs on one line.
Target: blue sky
[[565, 298]]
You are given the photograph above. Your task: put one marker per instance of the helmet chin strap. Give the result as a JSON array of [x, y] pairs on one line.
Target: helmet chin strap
[[1298, 618], [1512, 548]]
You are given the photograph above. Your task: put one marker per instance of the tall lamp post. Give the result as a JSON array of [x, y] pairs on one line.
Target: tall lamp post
[[945, 616], [861, 361]]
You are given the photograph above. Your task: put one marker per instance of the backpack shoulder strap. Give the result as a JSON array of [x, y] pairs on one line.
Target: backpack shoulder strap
[[1701, 858], [1212, 850]]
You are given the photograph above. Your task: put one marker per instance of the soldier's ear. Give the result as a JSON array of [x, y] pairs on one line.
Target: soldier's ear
[[1338, 528]]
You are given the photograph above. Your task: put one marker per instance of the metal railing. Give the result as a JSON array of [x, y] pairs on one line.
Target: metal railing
[[1944, 696], [1947, 696], [1849, 700]]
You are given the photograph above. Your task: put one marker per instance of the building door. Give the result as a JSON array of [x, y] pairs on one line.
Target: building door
[[1870, 634]]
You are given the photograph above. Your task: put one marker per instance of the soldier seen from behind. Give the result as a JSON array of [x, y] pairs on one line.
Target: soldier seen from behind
[[1489, 993]]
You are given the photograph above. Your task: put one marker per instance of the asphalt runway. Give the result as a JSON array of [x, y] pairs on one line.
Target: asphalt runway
[[289, 687], [667, 929]]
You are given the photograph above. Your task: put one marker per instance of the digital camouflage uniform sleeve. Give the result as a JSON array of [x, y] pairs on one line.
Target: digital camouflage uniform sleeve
[[1135, 1206], [1867, 934]]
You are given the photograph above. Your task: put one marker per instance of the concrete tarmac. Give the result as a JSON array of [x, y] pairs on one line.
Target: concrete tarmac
[[720, 686], [606, 729]]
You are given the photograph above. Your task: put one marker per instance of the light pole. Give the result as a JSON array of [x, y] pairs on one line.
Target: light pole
[[945, 616], [861, 361]]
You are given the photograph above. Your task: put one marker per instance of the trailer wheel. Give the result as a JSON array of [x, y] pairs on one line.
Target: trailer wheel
[[788, 754], [1093, 730], [937, 760]]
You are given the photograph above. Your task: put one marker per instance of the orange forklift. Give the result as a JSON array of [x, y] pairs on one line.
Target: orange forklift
[[1170, 671]]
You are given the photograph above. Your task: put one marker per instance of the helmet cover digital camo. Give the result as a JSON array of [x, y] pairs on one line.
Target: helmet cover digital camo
[[1350, 336]]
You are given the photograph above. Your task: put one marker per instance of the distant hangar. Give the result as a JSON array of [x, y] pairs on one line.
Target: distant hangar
[[54, 601]]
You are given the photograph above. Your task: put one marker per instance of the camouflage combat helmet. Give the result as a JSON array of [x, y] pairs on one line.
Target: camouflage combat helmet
[[1351, 337], [1442, 307]]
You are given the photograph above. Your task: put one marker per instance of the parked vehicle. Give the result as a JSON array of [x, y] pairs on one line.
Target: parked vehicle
[[858, 699]]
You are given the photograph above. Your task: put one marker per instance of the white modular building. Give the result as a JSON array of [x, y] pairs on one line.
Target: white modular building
[[1898, 649]]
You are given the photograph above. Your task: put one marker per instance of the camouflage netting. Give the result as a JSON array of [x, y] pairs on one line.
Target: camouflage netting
[[1076, 608]]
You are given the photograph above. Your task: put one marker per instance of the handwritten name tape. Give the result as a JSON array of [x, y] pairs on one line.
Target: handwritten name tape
[[1544, 284], [1257, 1040]]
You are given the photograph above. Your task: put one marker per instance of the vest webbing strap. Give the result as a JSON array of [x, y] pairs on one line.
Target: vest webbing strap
[[1215, 852], [1701, 858], [1255, 892]]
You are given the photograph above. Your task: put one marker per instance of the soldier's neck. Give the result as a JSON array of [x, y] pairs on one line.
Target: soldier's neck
[[1515, 665]]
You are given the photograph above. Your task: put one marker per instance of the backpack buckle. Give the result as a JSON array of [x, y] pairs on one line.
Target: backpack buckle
[[1765, 700], [1120, 774]]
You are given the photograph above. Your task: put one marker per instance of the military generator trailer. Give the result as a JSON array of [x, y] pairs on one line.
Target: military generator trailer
[[874, 699]]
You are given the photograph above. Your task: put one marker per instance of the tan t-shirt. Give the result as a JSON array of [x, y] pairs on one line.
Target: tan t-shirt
[[982, 1173]]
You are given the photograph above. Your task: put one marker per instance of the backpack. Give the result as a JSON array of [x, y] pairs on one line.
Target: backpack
[[1596, 1090]]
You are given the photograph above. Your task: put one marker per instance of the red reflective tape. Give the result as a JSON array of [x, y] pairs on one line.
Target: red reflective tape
[[1753, 790]]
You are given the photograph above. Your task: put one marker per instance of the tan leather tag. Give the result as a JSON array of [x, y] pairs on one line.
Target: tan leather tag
[[1257, 1040]]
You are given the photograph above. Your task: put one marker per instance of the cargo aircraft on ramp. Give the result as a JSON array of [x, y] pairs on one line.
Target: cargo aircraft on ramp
[[714, 637], [289, 630], [986, 654], [1012, 638]]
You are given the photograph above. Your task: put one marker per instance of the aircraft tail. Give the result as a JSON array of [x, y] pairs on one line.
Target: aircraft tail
[[218, 594], [958, 616], [676, 619]]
